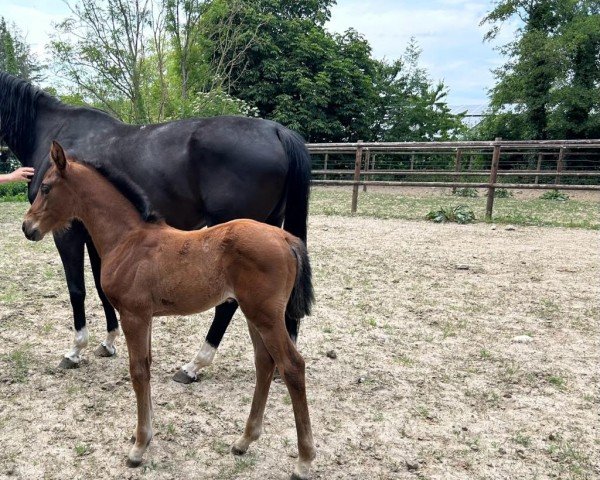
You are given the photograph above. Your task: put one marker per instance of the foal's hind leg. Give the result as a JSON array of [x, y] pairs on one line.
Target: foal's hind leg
[[291, 367], [264, 372]]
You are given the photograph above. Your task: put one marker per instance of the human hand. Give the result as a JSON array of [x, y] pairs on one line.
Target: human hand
[[22, 174]]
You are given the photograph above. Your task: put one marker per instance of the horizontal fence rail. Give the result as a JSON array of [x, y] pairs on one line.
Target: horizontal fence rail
[[535, 164]]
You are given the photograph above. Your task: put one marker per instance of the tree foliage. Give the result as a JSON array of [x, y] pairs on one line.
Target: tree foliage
[[549, 87], [154, 60], [15, 58]]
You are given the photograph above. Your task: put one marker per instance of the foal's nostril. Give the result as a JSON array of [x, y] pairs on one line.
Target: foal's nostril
[[30, 234]]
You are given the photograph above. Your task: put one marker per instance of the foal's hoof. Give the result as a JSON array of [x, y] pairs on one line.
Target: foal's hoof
[[133, 463], [104, 352], [295, 476], [182, 377], [68, 364], [237, 451]]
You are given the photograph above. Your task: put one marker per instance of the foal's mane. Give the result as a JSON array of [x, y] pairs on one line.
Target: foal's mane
[[18, 110], [130, 190]]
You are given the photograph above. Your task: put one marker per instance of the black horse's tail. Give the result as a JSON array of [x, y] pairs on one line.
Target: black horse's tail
[[298, 183], [302, 296]]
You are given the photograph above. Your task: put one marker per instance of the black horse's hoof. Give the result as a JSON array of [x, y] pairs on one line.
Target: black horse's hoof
[[237, 451], [182, 377], [133, 463], [68, 364], [103, 352]]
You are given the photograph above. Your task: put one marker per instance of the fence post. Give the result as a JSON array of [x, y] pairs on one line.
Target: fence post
[[559, 165], [457, 162], [357, 165], [367, 162], [539, 167], [493, 176], [325, 165]]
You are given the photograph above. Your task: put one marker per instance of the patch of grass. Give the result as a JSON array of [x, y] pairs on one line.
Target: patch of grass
[[557, 381], [555, 195], [522, 439], [460, 214], [485, 354], [404, 360], [287, 400], [466, 192], [239, 468], [514, 211], [83, 449], [423, 411], [571, 460], [547, 309], [20, 361], [221, 447], [502, 193], [149, 466]]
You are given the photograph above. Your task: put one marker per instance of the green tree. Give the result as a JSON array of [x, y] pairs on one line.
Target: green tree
[[101, 49], [15, 54], [294, 71], [15, 58], [411, 107], [551, 78]]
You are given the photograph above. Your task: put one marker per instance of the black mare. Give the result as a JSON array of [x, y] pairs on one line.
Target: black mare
[[196, 172]]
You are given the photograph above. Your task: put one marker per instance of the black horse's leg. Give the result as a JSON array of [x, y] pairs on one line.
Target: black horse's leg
[[70, 248], [223, 315], [107, 347]]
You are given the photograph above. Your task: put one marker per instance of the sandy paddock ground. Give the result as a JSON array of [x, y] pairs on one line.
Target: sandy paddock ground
[[462, 353]]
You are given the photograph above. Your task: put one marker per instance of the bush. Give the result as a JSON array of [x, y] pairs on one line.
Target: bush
[[459, 214], [466, 192], [555, 195], [13, 192], [502, 193]]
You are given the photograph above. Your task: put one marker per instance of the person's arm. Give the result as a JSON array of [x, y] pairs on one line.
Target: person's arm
[[22, 174]]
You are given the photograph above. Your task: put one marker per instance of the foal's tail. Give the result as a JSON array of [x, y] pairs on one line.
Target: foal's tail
[[302, 297], [298, 182]]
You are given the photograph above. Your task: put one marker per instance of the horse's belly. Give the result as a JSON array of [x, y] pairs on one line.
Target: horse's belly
[[185, 296]]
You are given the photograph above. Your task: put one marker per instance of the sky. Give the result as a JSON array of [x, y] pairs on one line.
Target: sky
[[448, 32]]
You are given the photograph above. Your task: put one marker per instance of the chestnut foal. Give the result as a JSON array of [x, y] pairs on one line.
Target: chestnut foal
[[151, 269]]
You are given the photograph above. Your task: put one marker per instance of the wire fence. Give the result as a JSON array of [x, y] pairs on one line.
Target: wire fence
[[551, 164]]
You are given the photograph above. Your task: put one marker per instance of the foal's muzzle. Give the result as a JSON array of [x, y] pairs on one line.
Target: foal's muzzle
[[31, 231]]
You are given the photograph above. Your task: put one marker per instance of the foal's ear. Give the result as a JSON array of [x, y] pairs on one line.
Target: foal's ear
[[57, 154]]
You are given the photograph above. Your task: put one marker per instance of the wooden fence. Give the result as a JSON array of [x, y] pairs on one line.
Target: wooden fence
[[547, 158]]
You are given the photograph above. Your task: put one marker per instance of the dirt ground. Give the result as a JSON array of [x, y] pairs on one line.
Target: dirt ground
[[463, 352]]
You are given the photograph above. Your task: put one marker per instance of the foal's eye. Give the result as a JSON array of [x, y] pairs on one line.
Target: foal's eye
[[45, 189]]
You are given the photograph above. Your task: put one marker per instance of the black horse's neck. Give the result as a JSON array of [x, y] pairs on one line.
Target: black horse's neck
[[19, 101]]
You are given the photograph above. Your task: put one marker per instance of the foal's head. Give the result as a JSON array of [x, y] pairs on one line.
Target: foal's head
[[54, 205]]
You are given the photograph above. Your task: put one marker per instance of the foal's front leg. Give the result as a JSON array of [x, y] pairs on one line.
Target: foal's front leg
[[137, 335]]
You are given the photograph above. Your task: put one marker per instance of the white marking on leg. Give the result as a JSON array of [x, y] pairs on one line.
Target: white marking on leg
[[80, 342], [109, 343], [203, 359]]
